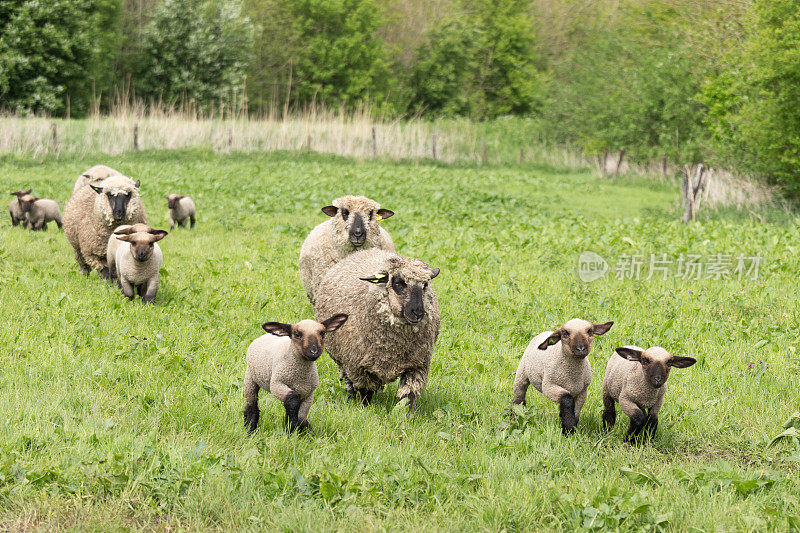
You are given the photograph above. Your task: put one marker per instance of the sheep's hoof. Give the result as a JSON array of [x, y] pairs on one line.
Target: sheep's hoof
[[305, 428], [251, 418]]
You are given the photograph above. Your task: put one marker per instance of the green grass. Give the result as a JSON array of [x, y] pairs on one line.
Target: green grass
[[118, 415]]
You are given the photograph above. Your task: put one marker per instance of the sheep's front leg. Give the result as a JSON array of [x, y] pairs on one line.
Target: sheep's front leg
[[127, 288], [171, 223], [191, 221], [149, 295], [302, 414], [651, 422], [412, 382], [14, 221], [521, 384], [636, 415], [609, 412], [251, 412], [291, 403], [580, 399], [85, 269], [566, 403]]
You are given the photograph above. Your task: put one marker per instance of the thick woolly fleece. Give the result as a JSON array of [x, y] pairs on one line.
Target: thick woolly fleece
[[329, 242], [141, 275], [275, 365], [94, 176], [43, 211], [183, 212], [376, 345], [88, 220]]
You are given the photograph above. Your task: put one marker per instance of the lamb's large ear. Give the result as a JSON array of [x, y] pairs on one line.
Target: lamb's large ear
[[385, 213], [97, 189], [334, 322], [138, 182], [278, 328], [434, 273], [601, 329], [631, 354], [551, 340], [377, 278], [681, 362], [157, 234], [126, 238], [330, 210], [124, 231]]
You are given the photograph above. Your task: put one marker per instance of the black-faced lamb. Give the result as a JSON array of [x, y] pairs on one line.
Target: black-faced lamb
[[637, 379], [283, 362], [39, 211], [393, 325], [181, 210], [93, 212], [556, 364], [354, 225], [14, 209], [137, 261]]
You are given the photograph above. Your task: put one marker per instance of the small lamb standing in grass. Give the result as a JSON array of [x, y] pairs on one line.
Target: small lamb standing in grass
[[181, 210], [354, 225], [14, 209], [556, 363], [283, 362], [114, 242], [637, 379], [39, 211], [137, 260]]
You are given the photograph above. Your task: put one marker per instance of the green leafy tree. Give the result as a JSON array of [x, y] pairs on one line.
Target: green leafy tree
[[194, 51]]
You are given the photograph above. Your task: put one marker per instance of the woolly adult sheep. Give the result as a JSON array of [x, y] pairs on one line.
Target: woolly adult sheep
[[556, 364], [637, 379], [283, 362], [14, 209], [94, 176], [393, 324], [93, 212], [354, 225], [39, 211], [137, 261], [181, 210]]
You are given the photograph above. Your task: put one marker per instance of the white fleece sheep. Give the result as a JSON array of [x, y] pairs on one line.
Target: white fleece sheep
[[556, 364], [137, 260], [181, 210], [393, 324], [354, 225], [283, 362], [637, 379], [93, 212]]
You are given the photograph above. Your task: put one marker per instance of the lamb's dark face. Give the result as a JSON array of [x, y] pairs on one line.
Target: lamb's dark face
[[142, 243], [576, 337], [656, 363], [358, 217], [307, 336], [406, 294], [173, 199], [26, 202]]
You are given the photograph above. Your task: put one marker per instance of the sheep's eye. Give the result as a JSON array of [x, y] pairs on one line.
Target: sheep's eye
[[424, 285], [564, 335], [297, 334], [398, 285], [371, 214], [645, 362], [345, 214], [591, 332]]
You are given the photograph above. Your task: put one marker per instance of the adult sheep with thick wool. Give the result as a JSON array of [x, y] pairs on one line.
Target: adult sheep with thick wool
[[93, 212], [393, 324], [354, 225]]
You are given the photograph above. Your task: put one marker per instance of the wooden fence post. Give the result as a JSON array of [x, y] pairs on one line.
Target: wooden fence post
[[55, 138], [374, 144], [136, 137], [308, 142], [433, 145], [483, 150], [664, 166], [521, 156], [230, 139]]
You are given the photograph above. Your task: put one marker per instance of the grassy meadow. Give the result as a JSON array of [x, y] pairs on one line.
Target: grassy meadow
[[121, 416]]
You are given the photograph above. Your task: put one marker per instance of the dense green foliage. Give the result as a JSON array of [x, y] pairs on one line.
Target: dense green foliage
[[713, 82], [123, 415]]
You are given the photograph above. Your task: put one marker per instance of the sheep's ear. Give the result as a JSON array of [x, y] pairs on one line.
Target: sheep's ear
[[385, 213], [126, 238], [434, 273], [601, 329], [631, 354], [681, 362], [157, 234], [551, 340], [377, 278], [97, 189], [124, 231], [334, 322], [278, 328], [330, 210]]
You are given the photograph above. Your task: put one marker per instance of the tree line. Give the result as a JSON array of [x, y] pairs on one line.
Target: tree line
[[687, 80]]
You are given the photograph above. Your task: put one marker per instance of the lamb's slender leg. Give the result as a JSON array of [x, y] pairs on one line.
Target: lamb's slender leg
[[59, 223], [149, 295], [24, 223], [127, 289], [609, 412], [651, 422], [292, 406], [14, 221], [521, 384], [302, 414], [251, 412], [412, 383], [580, 399], [566, 403], [191, 221], [636, 415]]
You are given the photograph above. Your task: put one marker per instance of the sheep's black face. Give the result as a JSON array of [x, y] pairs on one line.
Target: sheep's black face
[[173, 199], [307, 335], [142, 251], [357, 232], [656, 371], [411, 295], [119, 204], [26, 202]]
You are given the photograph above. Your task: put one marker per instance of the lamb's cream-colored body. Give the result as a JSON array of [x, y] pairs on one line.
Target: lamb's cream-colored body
[[133, 274], [42, 211], [181, 211]]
